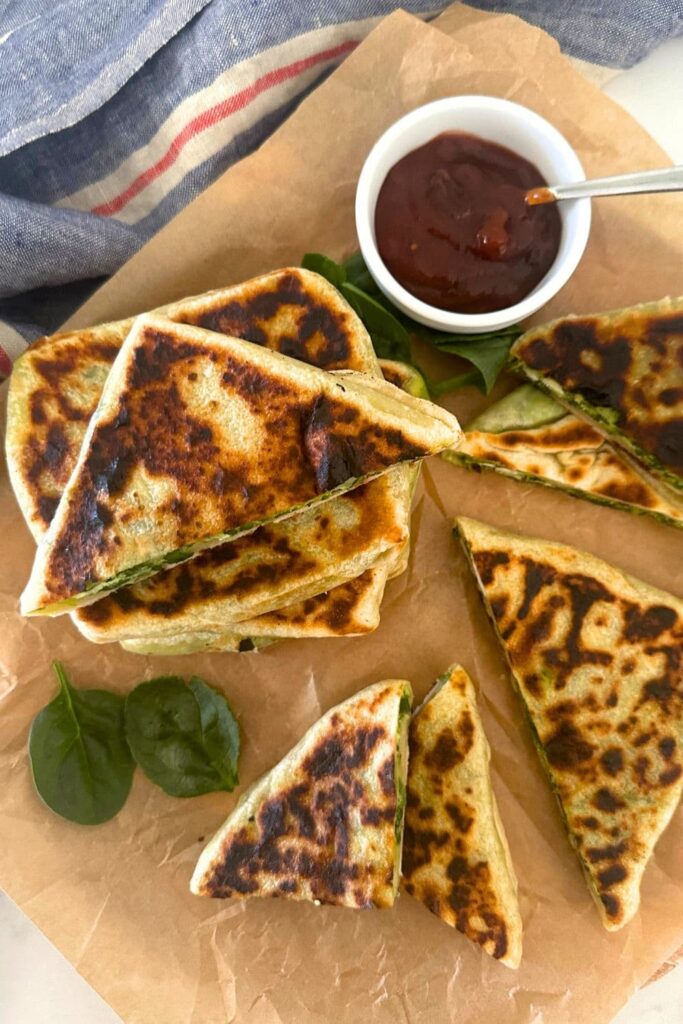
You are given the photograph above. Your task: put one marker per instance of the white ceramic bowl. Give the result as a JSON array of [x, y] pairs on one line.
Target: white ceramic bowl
[[508, 124]]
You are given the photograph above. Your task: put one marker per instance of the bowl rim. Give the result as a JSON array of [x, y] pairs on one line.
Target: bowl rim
[[433, 316]]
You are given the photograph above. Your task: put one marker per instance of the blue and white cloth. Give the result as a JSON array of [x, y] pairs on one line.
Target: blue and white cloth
[[114, 116]]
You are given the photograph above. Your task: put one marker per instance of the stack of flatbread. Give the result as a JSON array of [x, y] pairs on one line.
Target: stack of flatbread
[[223, 472]]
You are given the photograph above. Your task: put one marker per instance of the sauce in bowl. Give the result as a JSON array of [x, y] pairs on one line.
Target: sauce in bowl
[[453, 227]]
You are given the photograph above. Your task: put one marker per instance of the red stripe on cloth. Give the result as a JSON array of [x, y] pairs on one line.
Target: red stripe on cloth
[[217, 113]]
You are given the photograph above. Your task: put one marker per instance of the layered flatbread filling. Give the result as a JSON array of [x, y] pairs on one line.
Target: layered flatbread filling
[[532, 438], [623, 372]]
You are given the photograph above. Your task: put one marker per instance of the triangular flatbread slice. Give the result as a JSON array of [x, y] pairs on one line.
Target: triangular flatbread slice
[[153, 617], [596, 658], [198, 439], [623, 371], [530, 437], [456, 858], [326, 823]]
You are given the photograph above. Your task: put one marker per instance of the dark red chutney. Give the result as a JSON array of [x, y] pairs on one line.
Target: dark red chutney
[[453, 228]]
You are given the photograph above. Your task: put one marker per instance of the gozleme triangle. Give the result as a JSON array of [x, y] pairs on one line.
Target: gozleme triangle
[[456, 858], [596, 658], [325, 824]]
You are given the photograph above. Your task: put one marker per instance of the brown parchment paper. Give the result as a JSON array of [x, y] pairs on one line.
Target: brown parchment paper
[[115, 898]]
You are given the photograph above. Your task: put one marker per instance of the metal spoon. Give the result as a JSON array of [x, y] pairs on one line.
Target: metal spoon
[[668, 179]]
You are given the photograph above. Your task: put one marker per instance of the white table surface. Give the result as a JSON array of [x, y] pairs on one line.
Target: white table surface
[[37, 985]]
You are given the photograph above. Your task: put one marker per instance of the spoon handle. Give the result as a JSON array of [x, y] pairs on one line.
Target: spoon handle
[[667, 179]]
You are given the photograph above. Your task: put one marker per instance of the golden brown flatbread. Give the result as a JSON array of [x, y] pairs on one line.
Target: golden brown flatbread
[[596, 656], [326, 823], [58, 383], [456, 858]]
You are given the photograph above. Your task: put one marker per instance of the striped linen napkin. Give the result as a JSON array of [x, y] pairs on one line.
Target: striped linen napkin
[[114, 116]]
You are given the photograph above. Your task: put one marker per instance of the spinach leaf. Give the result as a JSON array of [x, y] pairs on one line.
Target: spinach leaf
[[185, 739], [439, 339], [326, 267], [387, 349], [219, 726], [81, 764], [389, 337], [488, 355], [357, 273]]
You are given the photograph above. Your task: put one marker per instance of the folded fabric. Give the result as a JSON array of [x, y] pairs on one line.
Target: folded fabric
[[108, 132]]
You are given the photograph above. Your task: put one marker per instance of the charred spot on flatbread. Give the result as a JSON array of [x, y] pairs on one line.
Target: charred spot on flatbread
[[338, 447], [292, 313]]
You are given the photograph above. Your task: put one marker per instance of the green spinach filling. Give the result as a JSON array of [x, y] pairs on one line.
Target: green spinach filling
[[401, 765]]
